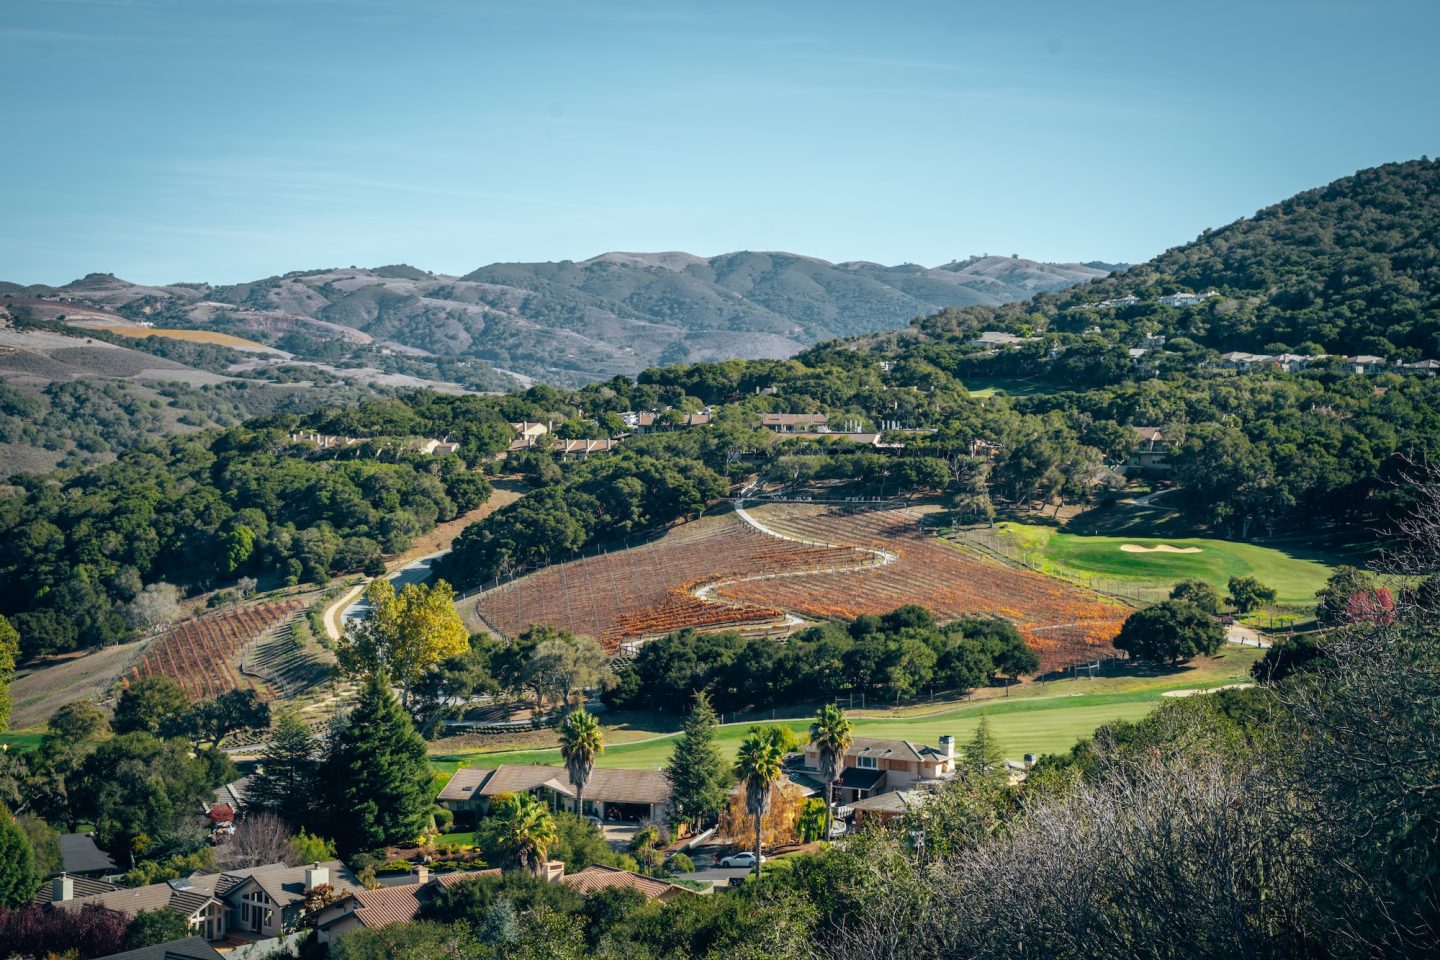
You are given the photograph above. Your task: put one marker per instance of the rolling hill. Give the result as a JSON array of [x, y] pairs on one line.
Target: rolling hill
[[1352, 267], [568, 322]]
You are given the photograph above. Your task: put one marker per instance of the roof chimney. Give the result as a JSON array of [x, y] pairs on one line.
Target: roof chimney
[[62, 888], [551, 871], [422, 874], [316, 876], [947, 745]]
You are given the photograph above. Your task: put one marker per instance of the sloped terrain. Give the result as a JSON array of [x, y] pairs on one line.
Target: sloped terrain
[[569, 321]]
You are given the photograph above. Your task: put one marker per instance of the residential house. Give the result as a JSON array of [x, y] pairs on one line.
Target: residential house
[[1367, 364], [1242, 361], [80, 857], [863, 439], [192, 948], [1421, 368], [795, 422], [529, 435], [885, 807], [438, 448], [580, 449], [1187, 299], [373, 909], [872, 767], [64, 887], [648, 421], [255, 903], [998, 338], [1129, 300], [1151, 454], [632, 795]]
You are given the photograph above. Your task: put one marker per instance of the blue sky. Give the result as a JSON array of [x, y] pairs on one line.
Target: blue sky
[[227, 140]]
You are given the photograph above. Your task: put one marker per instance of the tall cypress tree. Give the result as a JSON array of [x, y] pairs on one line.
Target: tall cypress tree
[[379, 774], [699, 777]]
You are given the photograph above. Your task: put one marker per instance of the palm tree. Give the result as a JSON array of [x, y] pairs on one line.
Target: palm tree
[[757, 765], [830, 733], [527, 830], [581, 741]]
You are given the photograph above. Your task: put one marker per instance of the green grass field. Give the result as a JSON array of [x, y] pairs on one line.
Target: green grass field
[[989, 386], [1040, 718], [1296, 571], [21, 742]]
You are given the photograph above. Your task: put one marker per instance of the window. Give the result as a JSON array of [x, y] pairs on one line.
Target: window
[[866, 763]]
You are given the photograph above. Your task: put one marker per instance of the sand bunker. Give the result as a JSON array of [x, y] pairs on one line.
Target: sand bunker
[[1158, 548], [1193, 691]]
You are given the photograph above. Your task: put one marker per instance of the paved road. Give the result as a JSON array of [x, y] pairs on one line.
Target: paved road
[[416, 571]]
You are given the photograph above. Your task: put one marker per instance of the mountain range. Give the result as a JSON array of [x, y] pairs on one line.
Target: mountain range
[[568, 322]]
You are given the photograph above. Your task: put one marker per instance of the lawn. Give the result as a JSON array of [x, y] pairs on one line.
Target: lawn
[[1040, 718], [982, 387], [21, 742], [1295, 570]]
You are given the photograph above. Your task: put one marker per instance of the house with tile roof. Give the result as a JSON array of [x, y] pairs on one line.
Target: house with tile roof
[[795, 422], [1150, 455], [373, 909], [873, 767], [79, 856], [632, 795], [253, 903]]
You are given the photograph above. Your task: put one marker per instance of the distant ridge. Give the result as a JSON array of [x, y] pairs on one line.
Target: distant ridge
[[571, 321]]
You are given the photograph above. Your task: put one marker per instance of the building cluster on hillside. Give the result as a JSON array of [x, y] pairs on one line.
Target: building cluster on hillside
[[441, 447], [1293, 362], [1184, 299]]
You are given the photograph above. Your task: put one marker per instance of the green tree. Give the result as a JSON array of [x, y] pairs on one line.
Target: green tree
[[983, 757], [697, 773], [526, 830], [18, 876], [149, 927], [581, 742], [757, 767], [831, 733], [230, 712], [306, 847], [155, 705], [404, 635], [380, 773], [1248, 593], [45, 841], [9, 650], [1198, 592], [1172, 631], [287, 782]]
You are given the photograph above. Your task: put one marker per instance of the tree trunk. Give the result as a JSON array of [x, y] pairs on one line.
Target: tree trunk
[[829, 808], [759, 816], [579, 801]]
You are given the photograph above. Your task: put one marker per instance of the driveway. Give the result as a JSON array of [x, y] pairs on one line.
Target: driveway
[[1245, 636], [719, 876]]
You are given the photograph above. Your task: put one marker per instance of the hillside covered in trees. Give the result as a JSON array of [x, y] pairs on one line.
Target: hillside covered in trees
[[1351, 267]]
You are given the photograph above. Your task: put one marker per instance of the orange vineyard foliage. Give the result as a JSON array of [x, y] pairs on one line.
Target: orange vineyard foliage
[[196, 653], [747, 577]]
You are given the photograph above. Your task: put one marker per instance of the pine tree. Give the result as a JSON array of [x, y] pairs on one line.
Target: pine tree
[[983, 756], [379, 774], [699, 778], [287, 783], [18, 878]]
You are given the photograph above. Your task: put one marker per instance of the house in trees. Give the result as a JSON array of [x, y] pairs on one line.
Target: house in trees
[[1151, 454], [874, 767], [993, 339], [255, 903], [795, 422], [373, 909], [630, 795], [530, 435], [648, 421], [1421, 368], [1367, 364], [80, 857]]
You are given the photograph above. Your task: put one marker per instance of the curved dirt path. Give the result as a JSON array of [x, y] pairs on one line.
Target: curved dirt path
[[703, 592]]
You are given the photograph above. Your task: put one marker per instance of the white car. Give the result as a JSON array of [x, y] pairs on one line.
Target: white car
[[740, 860]]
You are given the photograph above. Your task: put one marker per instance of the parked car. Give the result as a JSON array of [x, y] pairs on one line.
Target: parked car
[[746, 859]]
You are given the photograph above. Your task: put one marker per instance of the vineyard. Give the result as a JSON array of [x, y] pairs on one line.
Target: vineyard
[[1062, 623], [651, 589], [723, 572], [197, 653]]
